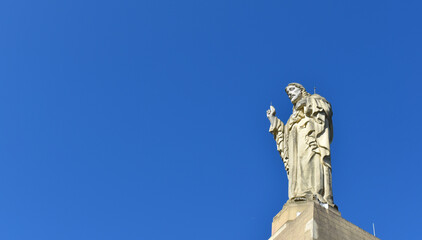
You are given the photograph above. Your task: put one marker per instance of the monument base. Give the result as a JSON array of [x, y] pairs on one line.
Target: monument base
[[309, 220]]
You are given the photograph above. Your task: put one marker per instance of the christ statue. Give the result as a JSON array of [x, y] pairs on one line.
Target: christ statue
[[304, 145]]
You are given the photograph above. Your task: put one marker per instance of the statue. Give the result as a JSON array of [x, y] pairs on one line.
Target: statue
[[304, 145]]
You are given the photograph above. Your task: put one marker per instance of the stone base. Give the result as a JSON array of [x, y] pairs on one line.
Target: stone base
[[309, 220]]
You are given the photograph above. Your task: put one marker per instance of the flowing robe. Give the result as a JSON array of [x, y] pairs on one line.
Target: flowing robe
[[304, 146]]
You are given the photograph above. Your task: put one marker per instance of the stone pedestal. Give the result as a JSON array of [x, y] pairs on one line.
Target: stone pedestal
[[309, 220]]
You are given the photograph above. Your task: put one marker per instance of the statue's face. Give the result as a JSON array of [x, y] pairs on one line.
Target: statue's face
[[294, 93]]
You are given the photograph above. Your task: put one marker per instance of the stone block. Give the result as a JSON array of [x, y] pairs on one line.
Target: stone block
[[310, 220]]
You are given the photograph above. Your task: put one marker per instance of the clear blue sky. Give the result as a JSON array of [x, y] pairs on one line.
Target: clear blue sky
[[146, 119]]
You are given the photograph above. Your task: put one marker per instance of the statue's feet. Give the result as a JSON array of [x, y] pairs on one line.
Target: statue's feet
[[299, 199], [302, 198]]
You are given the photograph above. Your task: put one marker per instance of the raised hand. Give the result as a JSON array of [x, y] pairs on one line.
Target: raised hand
[[271, 112], [271, 115]]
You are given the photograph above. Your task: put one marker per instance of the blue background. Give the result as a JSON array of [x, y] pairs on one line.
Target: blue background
[[146, 119]]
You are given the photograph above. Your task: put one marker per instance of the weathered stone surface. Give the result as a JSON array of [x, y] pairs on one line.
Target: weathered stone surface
[[304, 144], [310, 220]]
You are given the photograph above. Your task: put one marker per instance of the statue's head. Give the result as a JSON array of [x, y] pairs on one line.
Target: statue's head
[[296, 91]]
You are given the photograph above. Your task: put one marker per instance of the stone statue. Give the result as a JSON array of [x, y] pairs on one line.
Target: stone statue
[[304, 145]]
